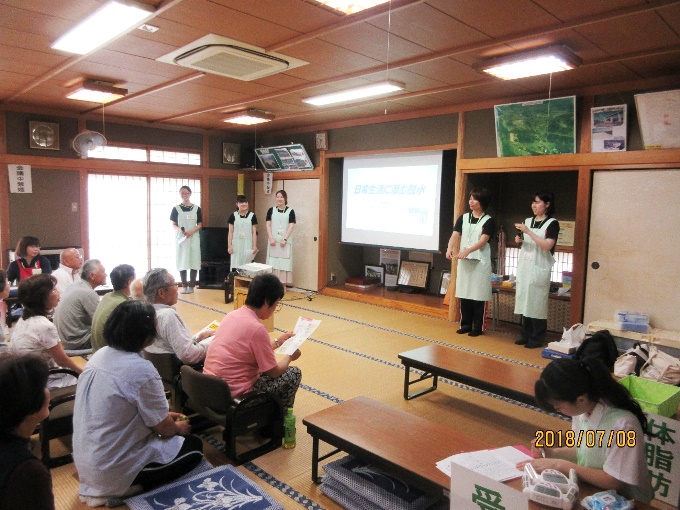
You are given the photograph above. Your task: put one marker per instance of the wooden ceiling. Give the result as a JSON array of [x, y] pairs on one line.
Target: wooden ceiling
[[429, 45]]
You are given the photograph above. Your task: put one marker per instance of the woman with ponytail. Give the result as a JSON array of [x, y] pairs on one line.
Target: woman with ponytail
[[608, 447]]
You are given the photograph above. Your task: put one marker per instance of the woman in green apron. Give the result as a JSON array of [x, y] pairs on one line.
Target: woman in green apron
[[607, 447], [242, 238], [537, 236], [187, 220], [473, 275], [280, 224]]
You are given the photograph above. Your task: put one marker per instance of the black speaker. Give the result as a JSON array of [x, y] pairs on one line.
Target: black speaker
[[229, 288]]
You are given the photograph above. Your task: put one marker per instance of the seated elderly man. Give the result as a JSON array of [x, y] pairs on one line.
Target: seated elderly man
[[121, 278], [242, 353], [68, 271], [73, 316], [137, 290], [172, 335]]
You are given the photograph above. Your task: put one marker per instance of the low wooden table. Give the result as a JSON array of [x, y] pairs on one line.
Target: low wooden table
[[399, 443], [396, 441], [500, 377]]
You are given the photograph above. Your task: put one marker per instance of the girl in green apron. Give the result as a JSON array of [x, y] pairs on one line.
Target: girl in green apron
[[187, 220], [537, 236], [242, 238], [606, 446], [473, 276], [280, 224]]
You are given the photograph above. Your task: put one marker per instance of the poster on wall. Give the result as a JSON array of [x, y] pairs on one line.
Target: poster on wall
[[389, 259], [608, 128], [659, 117], [536, 128], [288, 157]]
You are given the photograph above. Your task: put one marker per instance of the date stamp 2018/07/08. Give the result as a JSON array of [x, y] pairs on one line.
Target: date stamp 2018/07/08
[[587, 438]]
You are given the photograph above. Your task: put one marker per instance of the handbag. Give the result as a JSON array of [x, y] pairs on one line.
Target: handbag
[[661, 367], [574, 336], [632, 361]]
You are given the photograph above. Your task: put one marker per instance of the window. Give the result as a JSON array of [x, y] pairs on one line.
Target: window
[[129, 225], [563, 262], [146, 155]]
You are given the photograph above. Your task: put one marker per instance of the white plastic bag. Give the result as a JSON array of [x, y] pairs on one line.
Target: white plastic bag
[[573, 337], [624, 365]]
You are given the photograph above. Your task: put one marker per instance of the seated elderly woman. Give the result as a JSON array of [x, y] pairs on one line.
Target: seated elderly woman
[[35, 333], [124, 438], [25, 482], [242, 354], [172, 335]]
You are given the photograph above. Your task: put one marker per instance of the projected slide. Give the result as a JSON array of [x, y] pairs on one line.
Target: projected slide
[[392, 200]]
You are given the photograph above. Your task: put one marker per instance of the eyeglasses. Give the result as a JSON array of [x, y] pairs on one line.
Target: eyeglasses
[[176, 284]]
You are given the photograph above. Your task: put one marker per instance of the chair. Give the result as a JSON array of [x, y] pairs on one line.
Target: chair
[[60, 421], [168, 366], [211, 397]]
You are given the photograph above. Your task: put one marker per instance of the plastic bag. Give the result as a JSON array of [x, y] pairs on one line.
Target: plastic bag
[[607, 500], [573, 336], [661, 367]]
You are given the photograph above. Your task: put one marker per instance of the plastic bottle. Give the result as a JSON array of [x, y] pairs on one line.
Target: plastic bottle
[[289, 429]]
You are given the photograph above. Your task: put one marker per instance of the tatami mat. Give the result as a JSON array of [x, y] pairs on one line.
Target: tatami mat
[[354, 352]]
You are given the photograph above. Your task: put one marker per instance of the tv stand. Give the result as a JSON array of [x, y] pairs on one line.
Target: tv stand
[[212, 274]]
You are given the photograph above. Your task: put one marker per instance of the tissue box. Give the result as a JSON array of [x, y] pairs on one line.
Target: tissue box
[[637, 327], [560, 347], [634, 317]]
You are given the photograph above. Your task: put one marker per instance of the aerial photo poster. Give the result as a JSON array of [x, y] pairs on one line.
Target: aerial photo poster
[[536, 127]]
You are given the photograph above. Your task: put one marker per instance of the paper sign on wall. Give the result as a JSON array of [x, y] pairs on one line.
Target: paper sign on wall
[[268, 182], [20, 179]]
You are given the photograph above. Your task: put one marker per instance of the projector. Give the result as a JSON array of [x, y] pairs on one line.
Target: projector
[[253, 269]]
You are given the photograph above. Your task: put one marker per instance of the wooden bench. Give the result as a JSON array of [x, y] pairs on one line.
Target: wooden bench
[[400, 443], [500, 377]]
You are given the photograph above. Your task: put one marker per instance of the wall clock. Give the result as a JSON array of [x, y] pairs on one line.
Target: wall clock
[[322, 141], [43, 135]]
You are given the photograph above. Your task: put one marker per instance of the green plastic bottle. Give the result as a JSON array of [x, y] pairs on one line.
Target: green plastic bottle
[[289, 429]]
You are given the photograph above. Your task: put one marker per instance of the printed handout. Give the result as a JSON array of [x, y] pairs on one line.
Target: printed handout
[[303, 330]]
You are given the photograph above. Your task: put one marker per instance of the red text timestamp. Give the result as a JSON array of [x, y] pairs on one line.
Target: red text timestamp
[[587, 438]]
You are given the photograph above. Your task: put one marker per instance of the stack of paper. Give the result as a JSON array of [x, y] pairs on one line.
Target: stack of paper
[[496, 464]]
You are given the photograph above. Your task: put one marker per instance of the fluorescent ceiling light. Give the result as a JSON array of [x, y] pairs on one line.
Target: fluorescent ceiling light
[[530, 63], [95, 91], [110, 20], [375, 89], [351, 6], [249, 117]]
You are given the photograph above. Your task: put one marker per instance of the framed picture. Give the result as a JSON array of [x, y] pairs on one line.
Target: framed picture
[[375, 272], [414, 274], [231, 153], [444, 282]]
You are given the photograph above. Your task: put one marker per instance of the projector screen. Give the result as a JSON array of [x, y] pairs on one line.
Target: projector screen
[[392, 200]]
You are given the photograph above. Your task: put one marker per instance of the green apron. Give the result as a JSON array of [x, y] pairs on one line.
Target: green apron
[[473, 277], [242, 241], [188, 254], [533, 275], [280, 222]]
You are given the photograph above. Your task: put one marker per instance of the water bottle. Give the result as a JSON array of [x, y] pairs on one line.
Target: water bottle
[[289, 429]]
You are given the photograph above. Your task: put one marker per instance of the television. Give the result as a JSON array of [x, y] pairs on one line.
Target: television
[[214, 244]]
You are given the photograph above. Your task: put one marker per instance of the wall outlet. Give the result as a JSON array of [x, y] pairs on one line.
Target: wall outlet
[[332, 277]]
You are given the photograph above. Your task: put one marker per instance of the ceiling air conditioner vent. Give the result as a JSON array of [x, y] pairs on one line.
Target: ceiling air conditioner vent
[[232, 59]]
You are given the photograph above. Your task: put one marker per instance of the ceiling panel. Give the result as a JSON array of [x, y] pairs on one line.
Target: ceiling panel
[[432, 47]]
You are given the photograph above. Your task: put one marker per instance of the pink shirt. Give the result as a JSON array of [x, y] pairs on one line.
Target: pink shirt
[[240, 351]]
